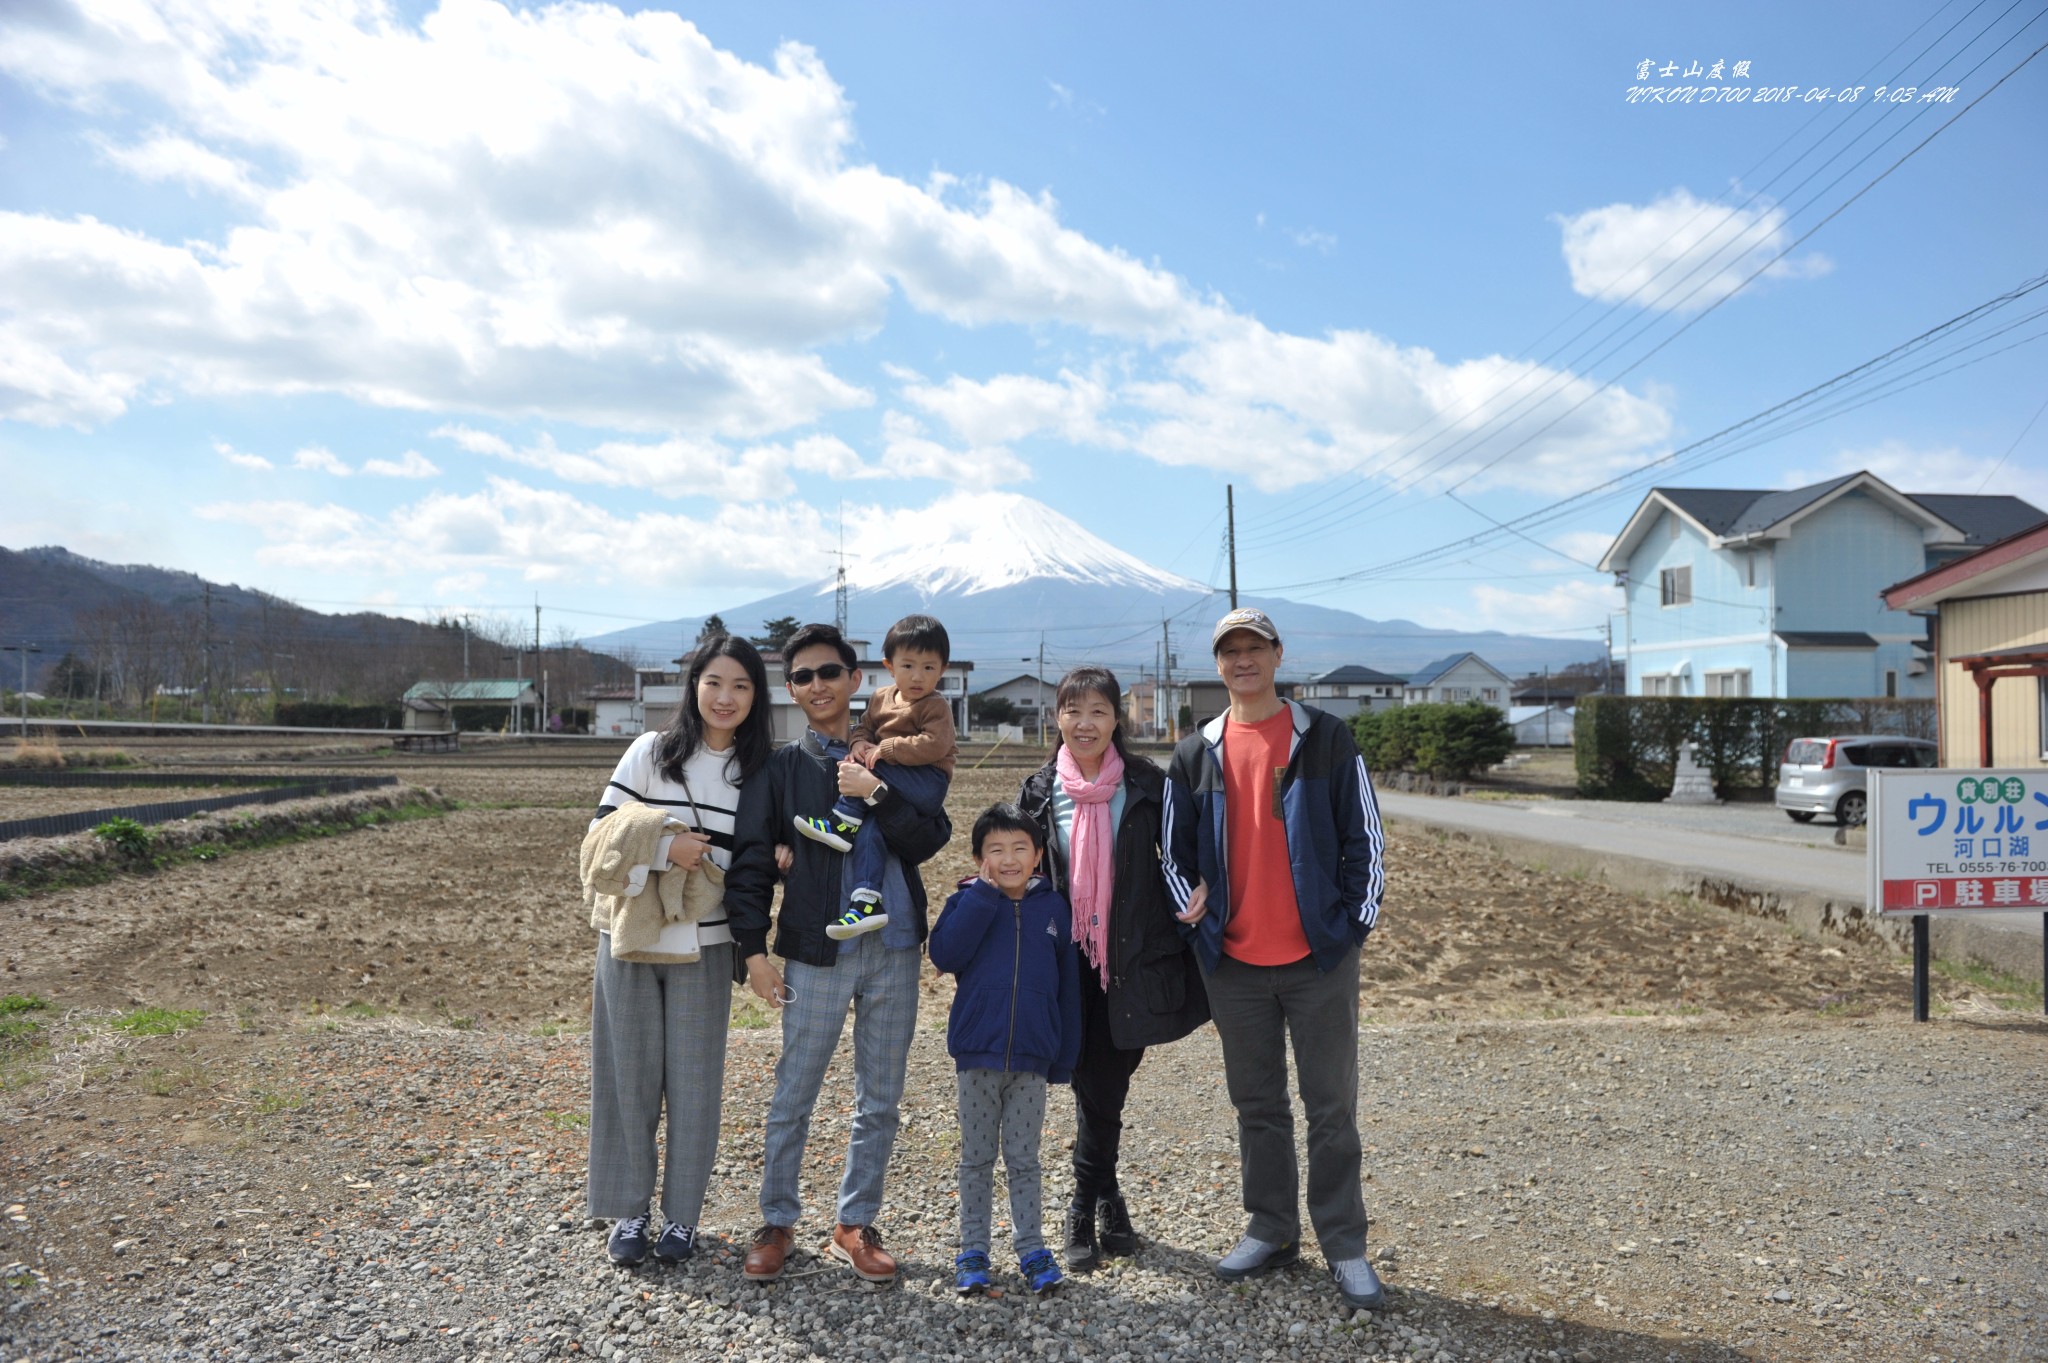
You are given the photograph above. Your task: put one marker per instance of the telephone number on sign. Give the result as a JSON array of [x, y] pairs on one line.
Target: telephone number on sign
[[2000, 868]]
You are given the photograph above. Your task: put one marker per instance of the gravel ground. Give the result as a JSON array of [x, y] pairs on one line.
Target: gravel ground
[[1597, 1127]]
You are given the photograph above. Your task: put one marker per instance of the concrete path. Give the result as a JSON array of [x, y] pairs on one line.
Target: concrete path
[[1744, 856]]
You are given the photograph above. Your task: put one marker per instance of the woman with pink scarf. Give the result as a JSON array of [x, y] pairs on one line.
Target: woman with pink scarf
[[1100, 806]]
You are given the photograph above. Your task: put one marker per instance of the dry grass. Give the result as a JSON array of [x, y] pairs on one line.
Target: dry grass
[[41, 751]]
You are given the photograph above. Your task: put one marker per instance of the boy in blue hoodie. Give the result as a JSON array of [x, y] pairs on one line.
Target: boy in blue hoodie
[[1015, 1027]]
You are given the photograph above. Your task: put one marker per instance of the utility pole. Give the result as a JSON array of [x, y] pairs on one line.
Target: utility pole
[[538, 719], [1041, 690], [1230, 536], [24, 650], [465, 647], [1546, 705], [839, 592], [1169, 720], [206, 648]]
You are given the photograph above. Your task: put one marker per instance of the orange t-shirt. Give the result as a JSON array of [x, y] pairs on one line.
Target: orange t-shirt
[[1264, 927]]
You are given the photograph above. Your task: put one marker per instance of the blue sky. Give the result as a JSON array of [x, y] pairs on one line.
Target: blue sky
[[446, 306]]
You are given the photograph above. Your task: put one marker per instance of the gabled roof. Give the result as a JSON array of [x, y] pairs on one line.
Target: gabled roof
[[1352, 674], [1973, 574], [1442, 665], [469, 690], [1019, 677], [1726, 515]]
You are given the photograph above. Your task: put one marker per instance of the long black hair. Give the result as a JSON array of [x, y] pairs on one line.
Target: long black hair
[[1090, 679], [752, 742]]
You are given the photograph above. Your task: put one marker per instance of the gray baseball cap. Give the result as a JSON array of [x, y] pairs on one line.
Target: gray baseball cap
[[1244, 617]]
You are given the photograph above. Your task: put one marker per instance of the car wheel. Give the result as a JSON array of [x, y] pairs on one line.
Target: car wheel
[[1799, 815], [1850, 809]]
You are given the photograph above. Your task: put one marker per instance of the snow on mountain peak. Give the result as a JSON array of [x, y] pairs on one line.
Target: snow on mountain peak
[[972, 542]]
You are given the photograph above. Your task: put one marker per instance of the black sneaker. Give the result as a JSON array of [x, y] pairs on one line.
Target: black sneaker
[[1118, 1239], [677, 1243], [1081, 1252], [628, 1242]]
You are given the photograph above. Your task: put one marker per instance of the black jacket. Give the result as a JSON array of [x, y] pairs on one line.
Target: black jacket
[[1156, 993], [797, 782]]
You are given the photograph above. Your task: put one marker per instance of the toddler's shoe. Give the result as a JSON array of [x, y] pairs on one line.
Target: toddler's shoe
[[1041, 1271], [862, 915], [970, 1275], [835, 832]]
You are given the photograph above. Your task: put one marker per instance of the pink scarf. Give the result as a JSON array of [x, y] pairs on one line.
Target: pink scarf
[[1090, 871]]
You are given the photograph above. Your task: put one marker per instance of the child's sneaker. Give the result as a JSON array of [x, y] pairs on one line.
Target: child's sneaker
[[970, 1274], [862, 915], [1041, 1272], [835, 832]]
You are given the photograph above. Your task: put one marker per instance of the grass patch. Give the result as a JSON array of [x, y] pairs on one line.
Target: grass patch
[[559, 1027], [240, 835], [18, 1028], [355, 1009], [2003, 990], [749, 1014], [268, 1102], [129, 838], [162, 1083], [159, 1021], [570, 1121]]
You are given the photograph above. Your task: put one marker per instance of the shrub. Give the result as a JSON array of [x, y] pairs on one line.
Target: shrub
[[324, 714], [1626, 747], [1449, 742], [127, 837]]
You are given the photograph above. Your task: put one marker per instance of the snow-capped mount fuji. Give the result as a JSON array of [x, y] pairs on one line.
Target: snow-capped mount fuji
[[994, 540], [1007, 573]]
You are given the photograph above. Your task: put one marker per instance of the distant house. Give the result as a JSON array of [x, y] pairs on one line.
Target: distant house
[[1988, 618], [787, 720], [615, 711], [429, 706], [1739, 592], [1028, 692], [1458, 678], [1344, 691]]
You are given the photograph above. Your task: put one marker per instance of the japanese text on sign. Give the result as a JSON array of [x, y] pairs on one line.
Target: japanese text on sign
[[1958, 841]]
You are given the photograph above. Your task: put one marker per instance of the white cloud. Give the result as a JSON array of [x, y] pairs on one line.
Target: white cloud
[[1678, 253], [542, 536], [1315, 239], [38, 385], [1941, 468], [319, 459], [1015, 406], [677, 467], [412, 464], [254, 462], [1586, 546], [909, 453], [1569, 607], [1066, 101], [568, 212]]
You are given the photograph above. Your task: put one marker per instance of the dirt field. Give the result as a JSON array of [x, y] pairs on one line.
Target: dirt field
[[407, 1003]]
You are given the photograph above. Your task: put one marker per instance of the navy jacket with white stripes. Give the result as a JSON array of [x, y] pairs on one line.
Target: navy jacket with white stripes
[[1334, 842]]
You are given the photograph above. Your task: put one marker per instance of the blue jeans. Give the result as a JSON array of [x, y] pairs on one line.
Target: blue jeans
[[924, 787]]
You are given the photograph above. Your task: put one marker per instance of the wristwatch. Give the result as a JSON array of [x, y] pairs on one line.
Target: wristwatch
[[874, 797]]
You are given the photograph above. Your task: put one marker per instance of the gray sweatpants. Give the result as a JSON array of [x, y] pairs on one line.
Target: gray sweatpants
[[1008, 1106], [657, 1032]]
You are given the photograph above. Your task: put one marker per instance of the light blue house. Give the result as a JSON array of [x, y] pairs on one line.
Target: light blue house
[[1741, 592]]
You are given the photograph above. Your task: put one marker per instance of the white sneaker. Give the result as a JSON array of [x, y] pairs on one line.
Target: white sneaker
[[1253, 1257], [1358, 1285]]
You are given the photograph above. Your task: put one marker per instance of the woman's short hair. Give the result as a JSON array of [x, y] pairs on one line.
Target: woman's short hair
[[1089, 679]]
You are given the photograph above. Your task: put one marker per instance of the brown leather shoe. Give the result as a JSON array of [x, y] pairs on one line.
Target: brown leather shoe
[[765, 1259], [861, 1246]]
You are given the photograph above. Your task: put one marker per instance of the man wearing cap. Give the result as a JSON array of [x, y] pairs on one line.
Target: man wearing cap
[[1273, 854]]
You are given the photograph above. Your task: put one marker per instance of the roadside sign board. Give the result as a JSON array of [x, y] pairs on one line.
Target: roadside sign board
[[1948, 840]]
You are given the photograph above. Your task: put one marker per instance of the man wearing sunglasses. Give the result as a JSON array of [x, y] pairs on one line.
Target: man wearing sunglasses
[[875, 975]]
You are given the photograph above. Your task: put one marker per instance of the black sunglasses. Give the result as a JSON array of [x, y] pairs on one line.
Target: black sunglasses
[[829, 672]]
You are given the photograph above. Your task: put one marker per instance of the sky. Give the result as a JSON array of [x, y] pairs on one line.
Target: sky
[[446, 308]]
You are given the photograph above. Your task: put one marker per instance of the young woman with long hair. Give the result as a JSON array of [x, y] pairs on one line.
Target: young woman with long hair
[[657, 1032]]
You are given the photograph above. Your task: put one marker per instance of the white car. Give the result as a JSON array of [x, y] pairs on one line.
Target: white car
[[1826, 775]]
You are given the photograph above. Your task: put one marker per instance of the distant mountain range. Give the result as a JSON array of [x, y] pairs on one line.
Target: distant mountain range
[[1004, 572]]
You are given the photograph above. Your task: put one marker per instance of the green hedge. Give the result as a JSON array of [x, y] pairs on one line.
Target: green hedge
[[322, 714], [1450, 742], [1626, 747]]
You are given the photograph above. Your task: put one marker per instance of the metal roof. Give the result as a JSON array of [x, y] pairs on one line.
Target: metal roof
[[1825, 638], [469, 690]]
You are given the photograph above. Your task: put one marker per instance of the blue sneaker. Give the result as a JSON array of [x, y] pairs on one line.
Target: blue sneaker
[[1041, 1271], [833, 831], [677, 1243], [628, 1241], [970, 1275]]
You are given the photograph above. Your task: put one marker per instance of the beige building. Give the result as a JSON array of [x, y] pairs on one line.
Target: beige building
[[1988, 634]]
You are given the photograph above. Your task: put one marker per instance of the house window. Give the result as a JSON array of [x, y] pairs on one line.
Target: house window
[[1730, 683], [1675, 585], [1457, 693], [1891, 683], [1661, 684], [1491, 694]]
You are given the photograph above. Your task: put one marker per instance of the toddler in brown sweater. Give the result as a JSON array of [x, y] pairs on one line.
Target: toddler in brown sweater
[[906, 738]]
